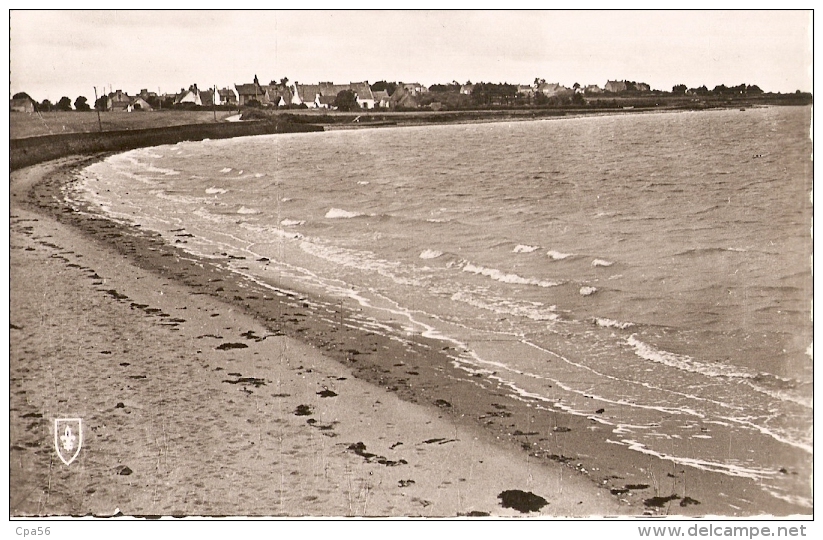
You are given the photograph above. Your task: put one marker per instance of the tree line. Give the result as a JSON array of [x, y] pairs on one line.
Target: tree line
[[63, 104], [720, 90]]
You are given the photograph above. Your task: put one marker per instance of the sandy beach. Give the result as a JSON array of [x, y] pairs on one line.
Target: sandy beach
[[191, 405]]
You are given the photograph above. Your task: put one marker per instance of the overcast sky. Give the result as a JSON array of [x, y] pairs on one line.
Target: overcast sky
[[57, 53]]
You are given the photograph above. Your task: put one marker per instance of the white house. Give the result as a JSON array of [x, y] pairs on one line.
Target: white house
[[322, 95], [190, 96]]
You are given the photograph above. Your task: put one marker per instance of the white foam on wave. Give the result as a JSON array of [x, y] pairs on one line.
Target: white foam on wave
[[292, 222], [136, 177], [520, 248], [362, 260], [225, 170], [784, 395], [705, 465], [684, 362], [557, 256], [363, 182], [503, 277], [601, 262], [215, 190], [611, 323], [160, 170], [507, 307], [264, 232], [337, 213], [244, 210], [587, 291], [430, 254], [792, 499], [130, 159], [178, 199]]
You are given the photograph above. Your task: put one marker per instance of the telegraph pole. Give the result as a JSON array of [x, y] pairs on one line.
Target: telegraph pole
[[99, 123]]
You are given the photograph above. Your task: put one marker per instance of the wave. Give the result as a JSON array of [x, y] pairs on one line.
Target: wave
[[363, 260], [601, 262], [166, 172], [611, 323], [687, 363], [264, 232], [780, 394], [225, 170], [292, 222], [133, 176], [244, 210], [520, 248], [557, 256], [709, 250], [587, 291], [179, 199], [503, 277], [337, 213], [130, 159], [702, 464], [707, 210], [430, 254], [507, 307], [214, 190], [791, 499], [682, 362]]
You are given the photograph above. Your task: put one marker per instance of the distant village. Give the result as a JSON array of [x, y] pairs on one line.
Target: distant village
[[381, 95]]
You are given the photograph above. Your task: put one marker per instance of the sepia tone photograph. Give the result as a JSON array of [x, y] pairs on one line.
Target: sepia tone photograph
[[410, 263]]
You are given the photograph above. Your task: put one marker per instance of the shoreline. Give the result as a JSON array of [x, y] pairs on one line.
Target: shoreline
[[556, 439], [476, 117]]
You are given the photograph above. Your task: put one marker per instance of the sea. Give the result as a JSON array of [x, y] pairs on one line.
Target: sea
[[657, 265]]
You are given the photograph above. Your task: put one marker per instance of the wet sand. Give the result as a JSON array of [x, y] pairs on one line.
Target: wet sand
[[192, 406]]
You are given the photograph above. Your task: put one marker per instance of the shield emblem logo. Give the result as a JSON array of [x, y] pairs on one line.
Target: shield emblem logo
[[68, 438]]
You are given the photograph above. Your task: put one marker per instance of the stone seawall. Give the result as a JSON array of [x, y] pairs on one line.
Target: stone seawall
[[33, 150]]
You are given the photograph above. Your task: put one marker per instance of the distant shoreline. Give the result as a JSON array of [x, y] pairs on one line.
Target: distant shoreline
[[79, 134]]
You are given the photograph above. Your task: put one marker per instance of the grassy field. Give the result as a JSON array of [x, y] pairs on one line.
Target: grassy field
[[50, 123]]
